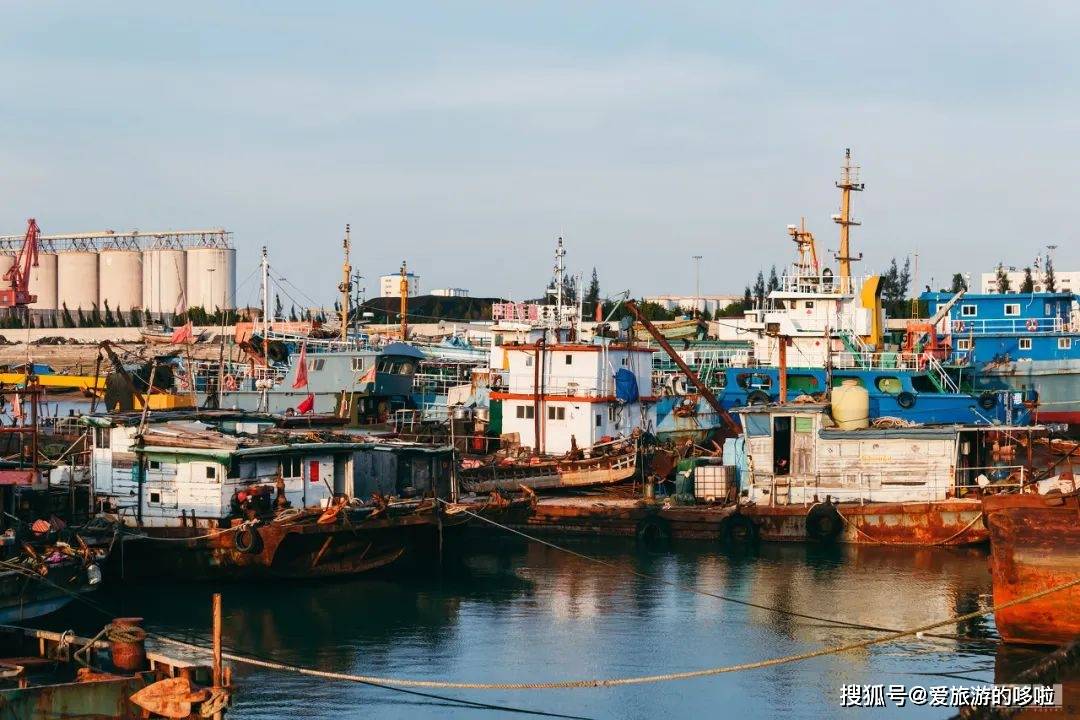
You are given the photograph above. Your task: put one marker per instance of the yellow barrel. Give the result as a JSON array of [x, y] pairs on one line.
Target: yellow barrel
[[851, 405]]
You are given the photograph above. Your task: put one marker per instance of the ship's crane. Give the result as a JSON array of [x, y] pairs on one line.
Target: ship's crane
[[17, 294]]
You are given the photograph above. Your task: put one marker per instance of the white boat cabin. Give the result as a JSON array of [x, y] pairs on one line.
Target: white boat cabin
[[571, 394], [796, 455]]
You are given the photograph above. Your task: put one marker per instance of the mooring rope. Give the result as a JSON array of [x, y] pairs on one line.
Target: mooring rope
[[940, 543], [634, 680]]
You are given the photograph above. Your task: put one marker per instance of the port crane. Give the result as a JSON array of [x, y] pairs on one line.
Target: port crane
[[16, 296]]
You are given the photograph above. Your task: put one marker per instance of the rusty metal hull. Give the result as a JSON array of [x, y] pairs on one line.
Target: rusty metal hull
[[618, 517], [1035, 545], [284, 550], [947, 522]]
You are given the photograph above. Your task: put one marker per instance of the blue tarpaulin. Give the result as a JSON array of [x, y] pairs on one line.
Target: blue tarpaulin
[[626, 390]]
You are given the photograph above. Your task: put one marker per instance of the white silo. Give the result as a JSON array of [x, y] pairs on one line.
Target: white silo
[[211, 277], [120, 279], [77, 280], [43, 282], [164, 280]]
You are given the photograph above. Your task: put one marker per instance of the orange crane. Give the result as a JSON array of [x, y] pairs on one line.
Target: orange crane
[[18, 296]]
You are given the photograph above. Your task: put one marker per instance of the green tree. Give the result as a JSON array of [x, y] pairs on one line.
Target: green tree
[[82, 318], [593, 295], [65, 317], [1028, 286], [110, 321], [1002, 280], [1050, 282], [759, 288], [958, 283], [774, 280]]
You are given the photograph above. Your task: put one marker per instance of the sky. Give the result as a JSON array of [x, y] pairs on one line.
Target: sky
[[465, 136]]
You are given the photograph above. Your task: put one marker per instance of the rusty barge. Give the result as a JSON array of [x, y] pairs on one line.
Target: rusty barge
[[1035, 546]]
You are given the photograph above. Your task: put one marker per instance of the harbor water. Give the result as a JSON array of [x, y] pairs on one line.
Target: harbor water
[[503, 609]]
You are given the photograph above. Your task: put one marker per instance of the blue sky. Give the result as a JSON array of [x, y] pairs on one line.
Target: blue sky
[[465, 136]]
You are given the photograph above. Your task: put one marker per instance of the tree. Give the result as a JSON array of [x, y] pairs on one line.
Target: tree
[[278, 309], [1028, 286], [109, 319], [759, 288], [774, 280], [593, 295], [958, 283], [1050, 283], [292, 313], [65, 317], [82, 318], [135, 317], [903, 280], [1002, 280], [747, 298]]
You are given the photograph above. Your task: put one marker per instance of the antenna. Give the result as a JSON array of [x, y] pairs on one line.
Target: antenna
[[807, 264], [345, 287], [849, 181]]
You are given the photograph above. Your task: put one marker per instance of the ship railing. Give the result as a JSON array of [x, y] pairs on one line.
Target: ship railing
[[575, 386], [824, 283], [1008, 326], [878, 361], [321, 345], [783, 487]]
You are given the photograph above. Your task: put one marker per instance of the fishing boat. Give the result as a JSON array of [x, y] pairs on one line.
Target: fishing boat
[[809, 472], [167, 335], [1034, 546], [246, 499], [606, 464]]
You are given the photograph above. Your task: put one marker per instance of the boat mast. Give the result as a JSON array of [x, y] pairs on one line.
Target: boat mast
[[265, 295], [849, 181], [807, 248], [404, 289], [560, 274], [345, 287]]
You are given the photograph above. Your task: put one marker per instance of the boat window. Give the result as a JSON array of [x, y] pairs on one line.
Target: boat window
[[599, 420], [233, 471], [528, 360], [1012, 309], [969, 310], [316, 364], [292, 468], [211, 472], [803, 383], [757, 425], [155, 464], [889, 385], [525, 412], [103, 437], [556, 413], [155, 498], [1048, 309], [748, 381], [809, 304], [405, 368], [358, 363], [612, 413], [838, 380], [1064, 343], [1025, 343], [569, 359]]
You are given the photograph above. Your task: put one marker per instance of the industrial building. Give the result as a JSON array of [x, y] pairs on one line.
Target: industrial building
[[1064, 280], [450, 292], [390, 285], [157, 272], [705, 304]]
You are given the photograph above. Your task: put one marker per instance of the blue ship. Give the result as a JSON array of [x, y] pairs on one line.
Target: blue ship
[[1023, 342]]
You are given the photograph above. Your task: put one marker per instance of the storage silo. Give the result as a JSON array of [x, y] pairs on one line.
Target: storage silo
[[43, 281], [120, 279], [164, 279], [211, 278], [77, 280]]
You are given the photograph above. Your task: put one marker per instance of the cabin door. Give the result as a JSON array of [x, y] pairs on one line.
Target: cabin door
[[781, 445]]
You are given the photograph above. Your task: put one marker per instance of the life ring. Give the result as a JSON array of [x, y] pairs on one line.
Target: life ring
[[823, 522], [906, 400], [959, 326], [739, 531], [988, 400], [182, 382], [653, 532], [230, 383], [1032, 325], [758, 397], [248, 540]]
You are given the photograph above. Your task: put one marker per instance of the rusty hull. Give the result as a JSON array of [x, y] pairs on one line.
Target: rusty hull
[[947, 522], [291, 549], [1035, 545], [621, 517]]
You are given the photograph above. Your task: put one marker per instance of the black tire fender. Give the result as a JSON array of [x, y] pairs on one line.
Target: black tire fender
[[758, 397], [247, 540], [988, 400], [824, 522], [739, 531], [906, 400], [653, 531]]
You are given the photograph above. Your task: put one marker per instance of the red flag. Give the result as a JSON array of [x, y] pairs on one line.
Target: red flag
[[306, 405], [182, 334], [369, 376], [301, 369]]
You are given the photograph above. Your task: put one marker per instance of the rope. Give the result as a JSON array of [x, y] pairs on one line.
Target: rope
[[635, 680], [218, 533], [124, 633], [946, 541]]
